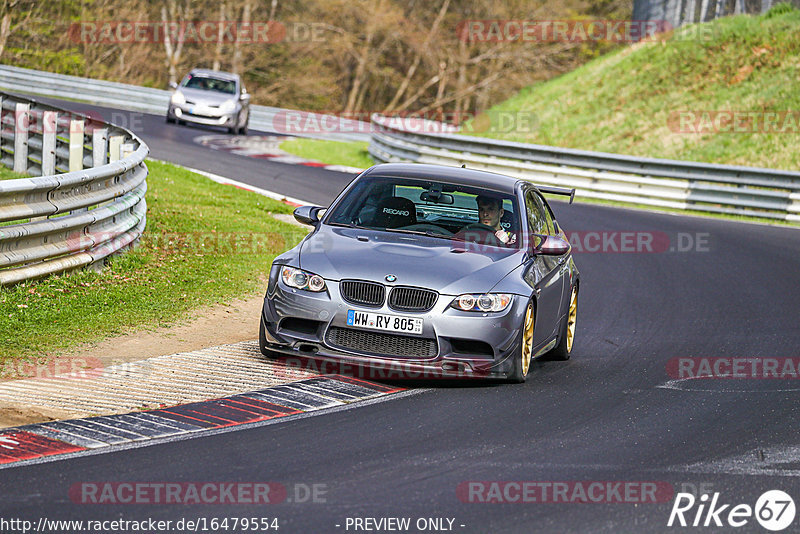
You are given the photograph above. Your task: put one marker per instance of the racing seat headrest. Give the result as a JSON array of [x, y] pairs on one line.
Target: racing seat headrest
[[509, 222], [396, 212]]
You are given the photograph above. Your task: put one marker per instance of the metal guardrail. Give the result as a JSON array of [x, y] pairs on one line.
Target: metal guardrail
[[86, 201], [685, 185], [155, 101]]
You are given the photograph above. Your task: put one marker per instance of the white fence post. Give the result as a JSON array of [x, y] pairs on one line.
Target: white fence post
[[127, 149], [99, 142], [75, 145], [76, 131], [49, 122], [115, 148], [21, 125]]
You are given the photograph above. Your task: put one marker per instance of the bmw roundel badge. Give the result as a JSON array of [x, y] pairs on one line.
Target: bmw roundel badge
[[391, 278]]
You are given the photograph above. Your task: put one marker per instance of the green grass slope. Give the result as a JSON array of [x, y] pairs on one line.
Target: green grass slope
[[630, 101]]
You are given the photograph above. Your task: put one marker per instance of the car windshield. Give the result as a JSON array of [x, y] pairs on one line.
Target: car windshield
[[430, 207], [207, 83]]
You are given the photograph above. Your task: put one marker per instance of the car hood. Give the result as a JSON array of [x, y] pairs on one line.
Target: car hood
[[209, 98], [344, 253]]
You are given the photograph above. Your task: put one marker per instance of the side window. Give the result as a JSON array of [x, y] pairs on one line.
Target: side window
[[534, 212], [548, 216]]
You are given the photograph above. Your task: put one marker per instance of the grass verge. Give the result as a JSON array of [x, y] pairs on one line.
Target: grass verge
[[350, 153], [662, 98], [205, 243], [8, 174]]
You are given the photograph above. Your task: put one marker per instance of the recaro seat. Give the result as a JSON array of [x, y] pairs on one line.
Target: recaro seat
[[395, 212]]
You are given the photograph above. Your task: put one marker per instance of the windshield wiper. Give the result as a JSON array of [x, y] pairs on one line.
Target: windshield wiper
[[348, 225], [418, 232]]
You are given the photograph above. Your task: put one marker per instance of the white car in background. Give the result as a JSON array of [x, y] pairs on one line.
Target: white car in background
[[212, 98]]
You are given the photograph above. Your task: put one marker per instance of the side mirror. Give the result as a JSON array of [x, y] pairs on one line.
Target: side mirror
[[553, 246], [244, 97], [173, 85], [308, 215]]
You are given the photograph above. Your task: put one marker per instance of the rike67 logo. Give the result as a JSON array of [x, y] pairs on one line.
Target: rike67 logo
[[774, 510]]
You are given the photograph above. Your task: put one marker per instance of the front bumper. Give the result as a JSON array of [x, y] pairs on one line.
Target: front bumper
[[467, 345], [208, 116]]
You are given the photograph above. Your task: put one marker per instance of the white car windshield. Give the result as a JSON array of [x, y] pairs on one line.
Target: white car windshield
[[207, 83]]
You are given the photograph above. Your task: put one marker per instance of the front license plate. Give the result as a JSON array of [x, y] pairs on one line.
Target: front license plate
[[380, 321]]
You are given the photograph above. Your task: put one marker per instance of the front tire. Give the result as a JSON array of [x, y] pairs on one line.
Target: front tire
[[521, 359], [563, 350]]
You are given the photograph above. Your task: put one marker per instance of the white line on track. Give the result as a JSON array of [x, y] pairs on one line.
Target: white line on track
[[264, 192]]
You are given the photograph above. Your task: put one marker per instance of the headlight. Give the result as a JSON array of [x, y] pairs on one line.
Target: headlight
[[227, 106], [300, 279], [177, 98], [489, 302]]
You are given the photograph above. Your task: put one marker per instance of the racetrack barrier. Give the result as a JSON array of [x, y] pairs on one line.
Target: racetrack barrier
[[683, 185], [85, 200]]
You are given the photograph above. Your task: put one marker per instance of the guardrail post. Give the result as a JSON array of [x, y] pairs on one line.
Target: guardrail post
[[76, 132], [49, 122], [115, 148], [21, 125], [127, 149], [76, 129], [99, 141]]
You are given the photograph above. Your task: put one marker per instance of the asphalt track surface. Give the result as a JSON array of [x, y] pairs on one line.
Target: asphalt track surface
[[605, 415]]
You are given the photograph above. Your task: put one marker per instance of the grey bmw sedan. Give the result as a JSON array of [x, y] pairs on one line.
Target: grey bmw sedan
[[429, 271]]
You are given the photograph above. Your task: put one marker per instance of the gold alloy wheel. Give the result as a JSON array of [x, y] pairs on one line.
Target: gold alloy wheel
[[527, 341], [573, 317]]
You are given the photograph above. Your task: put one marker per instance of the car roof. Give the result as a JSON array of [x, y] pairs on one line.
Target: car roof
[[455, 175], [215, 73]]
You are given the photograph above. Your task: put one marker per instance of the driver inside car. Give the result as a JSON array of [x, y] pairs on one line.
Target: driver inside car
[[490, 211]]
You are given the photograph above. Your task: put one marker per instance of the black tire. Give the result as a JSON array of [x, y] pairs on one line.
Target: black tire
[[519, 367], [170, 120], [243, 129], [563, 350], [262, 342], [235, 128]]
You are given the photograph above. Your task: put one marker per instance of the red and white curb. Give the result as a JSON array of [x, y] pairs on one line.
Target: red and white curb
[[265, 147], [45, 440]]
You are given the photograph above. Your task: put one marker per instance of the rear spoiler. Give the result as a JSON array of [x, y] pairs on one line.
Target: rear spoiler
[[558, 191]]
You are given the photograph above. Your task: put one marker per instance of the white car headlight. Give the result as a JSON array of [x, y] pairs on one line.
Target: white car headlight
[[488, 302], [227, 106], [178, 99], [300, 279]]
